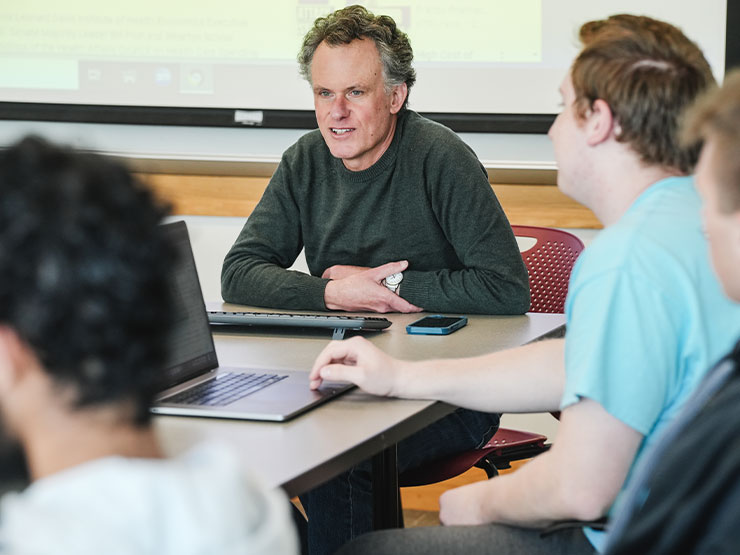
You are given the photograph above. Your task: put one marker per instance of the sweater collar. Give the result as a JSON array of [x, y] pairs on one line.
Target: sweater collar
[[386, 160]]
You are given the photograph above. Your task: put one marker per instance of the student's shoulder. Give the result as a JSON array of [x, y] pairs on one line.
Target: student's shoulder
[[621, 248]]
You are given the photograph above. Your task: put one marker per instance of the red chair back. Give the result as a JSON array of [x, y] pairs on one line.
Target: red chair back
[[549, 263]]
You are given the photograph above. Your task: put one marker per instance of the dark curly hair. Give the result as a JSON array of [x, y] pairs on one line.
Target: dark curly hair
[[354, 23], [85, 272]]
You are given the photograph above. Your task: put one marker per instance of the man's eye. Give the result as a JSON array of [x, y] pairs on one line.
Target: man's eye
[[355, 93], [324, 94]]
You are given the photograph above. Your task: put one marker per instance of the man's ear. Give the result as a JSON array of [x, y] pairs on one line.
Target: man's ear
[[398, 97], [600, 123]]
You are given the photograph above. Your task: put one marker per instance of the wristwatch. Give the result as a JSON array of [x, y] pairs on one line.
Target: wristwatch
[[393, 282]]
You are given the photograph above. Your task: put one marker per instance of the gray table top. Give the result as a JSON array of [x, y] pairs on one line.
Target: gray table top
[[317, 445]]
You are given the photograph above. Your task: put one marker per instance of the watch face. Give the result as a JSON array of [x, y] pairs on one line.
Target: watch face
[[394, 279]]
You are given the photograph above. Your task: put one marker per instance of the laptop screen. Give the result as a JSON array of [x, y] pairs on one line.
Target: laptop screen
[[190, 346]]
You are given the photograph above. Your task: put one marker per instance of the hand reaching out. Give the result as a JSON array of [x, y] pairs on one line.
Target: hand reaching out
[[358, 361]]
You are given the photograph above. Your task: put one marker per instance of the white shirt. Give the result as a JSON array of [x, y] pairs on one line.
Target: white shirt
[[202, 502]]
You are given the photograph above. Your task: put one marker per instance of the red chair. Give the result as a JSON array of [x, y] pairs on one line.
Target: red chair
[[549, 263]]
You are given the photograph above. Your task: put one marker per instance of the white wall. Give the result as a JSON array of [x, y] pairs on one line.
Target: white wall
[[509, 158]]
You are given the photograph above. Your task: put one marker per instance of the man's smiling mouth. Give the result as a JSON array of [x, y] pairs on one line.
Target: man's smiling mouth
[[341, 130]]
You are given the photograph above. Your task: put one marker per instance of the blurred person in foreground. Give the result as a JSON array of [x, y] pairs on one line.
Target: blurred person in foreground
[[84, 298]]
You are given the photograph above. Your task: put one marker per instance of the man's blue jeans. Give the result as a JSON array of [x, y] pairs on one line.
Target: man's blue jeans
[[342, 508]]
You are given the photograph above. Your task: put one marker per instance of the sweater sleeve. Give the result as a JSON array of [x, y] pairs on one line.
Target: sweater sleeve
[[255, 269], [493, 278]]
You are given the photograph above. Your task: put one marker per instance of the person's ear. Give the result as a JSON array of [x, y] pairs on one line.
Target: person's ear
[[600, 123], [398, 97], [13, 354]]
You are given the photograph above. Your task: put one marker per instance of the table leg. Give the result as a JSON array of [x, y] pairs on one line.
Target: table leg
[[386, 502]]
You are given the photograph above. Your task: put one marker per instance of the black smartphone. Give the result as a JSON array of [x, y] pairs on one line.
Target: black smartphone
[[436, 325]]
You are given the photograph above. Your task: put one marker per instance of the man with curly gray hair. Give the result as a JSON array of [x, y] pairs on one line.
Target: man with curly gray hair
[[377, 192], [396, 214]]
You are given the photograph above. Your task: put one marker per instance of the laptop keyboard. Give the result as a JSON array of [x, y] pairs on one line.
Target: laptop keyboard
[[224, 389]]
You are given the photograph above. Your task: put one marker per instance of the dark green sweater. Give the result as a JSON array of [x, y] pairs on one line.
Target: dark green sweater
[[427, 200]]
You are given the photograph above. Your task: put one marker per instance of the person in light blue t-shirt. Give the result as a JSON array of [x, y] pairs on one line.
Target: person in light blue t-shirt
[[670, 506], [646, 317]]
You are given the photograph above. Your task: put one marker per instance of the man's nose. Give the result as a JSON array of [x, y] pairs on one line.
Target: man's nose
[[340, 107]]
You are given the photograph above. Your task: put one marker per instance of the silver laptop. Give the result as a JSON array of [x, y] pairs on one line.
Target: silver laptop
[[193, 384]]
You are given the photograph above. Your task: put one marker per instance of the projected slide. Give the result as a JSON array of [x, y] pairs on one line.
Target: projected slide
[[507, 56], [496, 30], [159, 50]]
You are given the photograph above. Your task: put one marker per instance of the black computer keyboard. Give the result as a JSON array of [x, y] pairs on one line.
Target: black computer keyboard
[[329, 321], [224, 389]]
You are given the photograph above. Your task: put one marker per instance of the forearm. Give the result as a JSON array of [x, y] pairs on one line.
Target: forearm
[[532, 497], [525, 379], [469, 291], [252, 282], [577, 479]]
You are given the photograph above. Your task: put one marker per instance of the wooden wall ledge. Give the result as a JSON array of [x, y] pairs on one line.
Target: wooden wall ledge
[[199, 195]]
